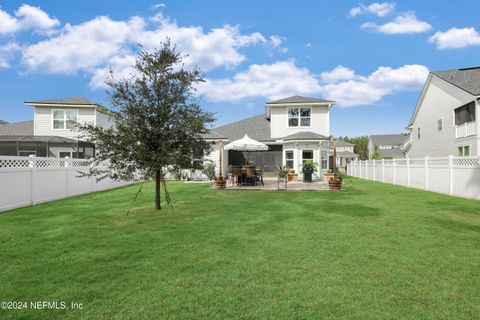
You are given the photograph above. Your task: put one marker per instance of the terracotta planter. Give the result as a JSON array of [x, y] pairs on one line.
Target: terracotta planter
[[335, 184], [293, 177], [329, 176], [220, 184]]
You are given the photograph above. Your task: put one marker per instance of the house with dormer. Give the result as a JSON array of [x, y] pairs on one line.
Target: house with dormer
[[296, 129]]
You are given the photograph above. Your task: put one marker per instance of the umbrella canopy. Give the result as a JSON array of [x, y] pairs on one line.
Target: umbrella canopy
[[246, 144]]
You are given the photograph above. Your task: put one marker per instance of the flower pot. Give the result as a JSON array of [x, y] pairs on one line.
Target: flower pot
[[220, 183], [335, 184], [307, 176], [329, 176], [293, 177]]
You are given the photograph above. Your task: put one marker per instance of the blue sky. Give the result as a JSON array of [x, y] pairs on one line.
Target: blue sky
[[371, 57]]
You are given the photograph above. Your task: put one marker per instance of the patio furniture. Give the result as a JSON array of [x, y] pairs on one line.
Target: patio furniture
[[250, 174], [237, 173], [259, 174]]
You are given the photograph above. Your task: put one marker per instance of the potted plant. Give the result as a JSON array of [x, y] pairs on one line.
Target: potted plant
[[336, 182], [292, 176], [282, 171], [308, 168], [220, 182], [209, 171], [329, 175]]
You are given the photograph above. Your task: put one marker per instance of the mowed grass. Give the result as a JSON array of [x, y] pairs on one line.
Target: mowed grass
[[374, 251]]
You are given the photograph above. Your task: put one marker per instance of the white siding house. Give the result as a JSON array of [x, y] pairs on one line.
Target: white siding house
[[438, 126], [296, 129]]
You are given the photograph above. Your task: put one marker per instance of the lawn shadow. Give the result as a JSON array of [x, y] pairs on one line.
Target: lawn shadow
[[455, 225]]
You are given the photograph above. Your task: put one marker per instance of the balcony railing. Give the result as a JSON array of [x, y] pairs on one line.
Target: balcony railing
[[465, 130]]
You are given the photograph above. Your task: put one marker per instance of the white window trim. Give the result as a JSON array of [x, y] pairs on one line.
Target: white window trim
[[299, 117], [64, 118], [285, 157]]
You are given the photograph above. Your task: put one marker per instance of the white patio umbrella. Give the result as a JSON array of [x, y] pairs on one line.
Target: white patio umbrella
[[246, 144]]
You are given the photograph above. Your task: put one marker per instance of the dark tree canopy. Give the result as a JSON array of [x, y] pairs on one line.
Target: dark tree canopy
[[157, 121]]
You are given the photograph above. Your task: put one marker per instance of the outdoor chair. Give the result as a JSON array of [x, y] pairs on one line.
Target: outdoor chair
[[259, 172], [236, 174], [250, 174]]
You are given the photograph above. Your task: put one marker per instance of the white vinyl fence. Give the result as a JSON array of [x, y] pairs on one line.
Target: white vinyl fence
[[30, 180], [458, 176]]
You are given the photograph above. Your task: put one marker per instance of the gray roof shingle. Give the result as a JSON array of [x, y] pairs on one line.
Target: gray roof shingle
[[346, 154], [341, 143], [467, 79], [299, 99], [257, 128], [391, 153], [23, 128], [388, 139], [72, 100], [306, 135]]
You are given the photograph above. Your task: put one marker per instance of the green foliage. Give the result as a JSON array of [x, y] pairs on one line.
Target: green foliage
[[282, 170], [312, 163], [330, 171], [375, 154], [209, 170], [158, 122]]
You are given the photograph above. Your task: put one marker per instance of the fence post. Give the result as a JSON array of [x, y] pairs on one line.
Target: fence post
[[394, 171], [450, 171], [366, 169], [374, 169], [66, 176], [426, 173], [383, 170], [408, 172], [32, 163]]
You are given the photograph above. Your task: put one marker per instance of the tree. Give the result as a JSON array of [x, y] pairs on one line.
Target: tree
[[361, 146], [157, 123], [375, 154]]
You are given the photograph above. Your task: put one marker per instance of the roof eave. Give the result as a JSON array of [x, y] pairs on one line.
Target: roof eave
[[66, 105]]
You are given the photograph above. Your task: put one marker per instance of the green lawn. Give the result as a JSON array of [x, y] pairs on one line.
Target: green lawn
[[375, 251]]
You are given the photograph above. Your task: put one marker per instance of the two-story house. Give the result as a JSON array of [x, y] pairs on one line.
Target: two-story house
[[389, 146], [295, 129], [445, 119], [345, 152], [50, 133]]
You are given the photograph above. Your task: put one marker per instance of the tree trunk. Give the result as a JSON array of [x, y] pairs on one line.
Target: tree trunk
[[157, 190]]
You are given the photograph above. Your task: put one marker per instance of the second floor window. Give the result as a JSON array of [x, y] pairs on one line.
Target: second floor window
[[299, 117], [64, 119]]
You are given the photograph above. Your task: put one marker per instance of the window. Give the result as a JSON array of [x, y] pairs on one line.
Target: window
[[64, 119], [63, 154], [439, 124], [307, 155], [463, 151], [299, 117], [418, 133], [465, 113], [289, 158]]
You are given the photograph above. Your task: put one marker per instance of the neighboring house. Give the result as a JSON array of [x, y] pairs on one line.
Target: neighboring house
[[445, 121], [345, 152], [390, 146], [50, 133], [295, 129]]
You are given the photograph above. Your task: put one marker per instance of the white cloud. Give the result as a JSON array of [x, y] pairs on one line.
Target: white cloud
[[159, 5], [404, 24], [308, 45], [357, 90], [271, 81], [339, 73], [455, 38], [26, 17], [380, 9], [83, 46], [6, 53]]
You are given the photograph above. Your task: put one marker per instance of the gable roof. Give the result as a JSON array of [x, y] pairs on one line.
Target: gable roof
[[467, 79], [23, 128], [305, 135], [388, 139], [299, 99], [341, 143], [256, 127], [77, 101], [391, 153]]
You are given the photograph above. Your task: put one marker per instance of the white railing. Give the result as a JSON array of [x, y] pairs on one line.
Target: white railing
[[30, 180], [458, 176], [465, 130]]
